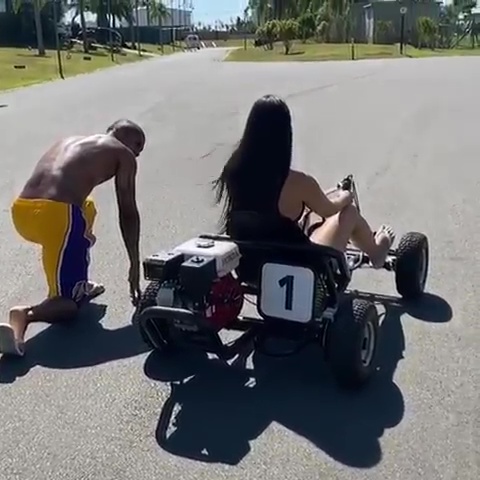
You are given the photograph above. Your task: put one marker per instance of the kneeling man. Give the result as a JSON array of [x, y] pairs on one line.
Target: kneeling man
[[54, 210]]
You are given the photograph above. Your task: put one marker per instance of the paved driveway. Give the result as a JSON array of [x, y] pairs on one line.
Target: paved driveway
[[88, 402]]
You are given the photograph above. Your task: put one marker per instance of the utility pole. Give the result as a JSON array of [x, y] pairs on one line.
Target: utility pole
[[403, 11]]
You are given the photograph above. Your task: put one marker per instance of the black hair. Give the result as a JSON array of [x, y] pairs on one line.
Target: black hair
[[126, 126], [253, 177]]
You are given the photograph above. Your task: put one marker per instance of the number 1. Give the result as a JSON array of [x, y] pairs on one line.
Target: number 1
[[287, 282]]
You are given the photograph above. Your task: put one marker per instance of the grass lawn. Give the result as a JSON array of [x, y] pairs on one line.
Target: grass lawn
[[327, 51], [44, 69]]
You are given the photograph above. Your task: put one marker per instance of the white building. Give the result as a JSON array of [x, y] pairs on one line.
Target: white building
[[176, 17]]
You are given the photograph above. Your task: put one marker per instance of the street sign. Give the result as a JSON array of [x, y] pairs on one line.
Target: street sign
[[403, 10]]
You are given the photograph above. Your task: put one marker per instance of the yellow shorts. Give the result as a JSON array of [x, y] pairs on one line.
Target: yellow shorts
[[65, 233]]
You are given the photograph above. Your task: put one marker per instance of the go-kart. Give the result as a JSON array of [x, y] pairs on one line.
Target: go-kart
[[198, 289]]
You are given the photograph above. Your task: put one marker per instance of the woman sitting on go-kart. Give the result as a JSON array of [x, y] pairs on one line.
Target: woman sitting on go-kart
[[258, 178]]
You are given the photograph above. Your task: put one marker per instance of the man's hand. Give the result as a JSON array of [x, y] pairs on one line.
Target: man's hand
[[134, 281]]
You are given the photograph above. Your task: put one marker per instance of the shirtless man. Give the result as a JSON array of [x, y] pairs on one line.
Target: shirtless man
[[54, 210]]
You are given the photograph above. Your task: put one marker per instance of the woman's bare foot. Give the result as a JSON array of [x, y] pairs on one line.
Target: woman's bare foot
[[384, 238]]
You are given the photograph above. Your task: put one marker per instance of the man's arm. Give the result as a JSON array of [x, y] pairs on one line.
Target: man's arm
[[129, 218], [317, 201]]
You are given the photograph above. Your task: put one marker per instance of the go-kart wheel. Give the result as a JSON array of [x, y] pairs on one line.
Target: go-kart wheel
[[351, 342], [411, 265], [155, 335]]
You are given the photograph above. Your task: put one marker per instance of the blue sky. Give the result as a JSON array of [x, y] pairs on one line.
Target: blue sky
[[207, 11]]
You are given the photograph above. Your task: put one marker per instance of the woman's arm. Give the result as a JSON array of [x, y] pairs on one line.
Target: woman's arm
[[316, 200]]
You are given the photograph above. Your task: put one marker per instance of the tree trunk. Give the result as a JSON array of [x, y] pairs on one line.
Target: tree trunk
[[83, 24], [38, 29], [148, 14], [102, 20], [132, 32], [160, 31]]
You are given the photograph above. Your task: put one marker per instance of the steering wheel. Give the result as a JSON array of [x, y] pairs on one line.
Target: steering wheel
[[348, 183]]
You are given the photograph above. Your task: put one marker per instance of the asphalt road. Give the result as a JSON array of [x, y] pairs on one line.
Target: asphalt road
[[88, 401]]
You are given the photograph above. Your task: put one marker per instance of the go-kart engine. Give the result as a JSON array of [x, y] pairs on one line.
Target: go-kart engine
[[197, 276], [222, 304]]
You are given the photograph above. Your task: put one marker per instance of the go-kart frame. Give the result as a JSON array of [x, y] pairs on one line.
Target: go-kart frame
[[304, 300]]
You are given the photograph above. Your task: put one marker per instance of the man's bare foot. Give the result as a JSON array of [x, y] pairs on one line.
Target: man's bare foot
[[19, 321], [12, 334], [84, 292], [95, 289], [384, 238]]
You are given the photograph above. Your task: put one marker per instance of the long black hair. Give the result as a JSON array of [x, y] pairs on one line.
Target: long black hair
[[253, 177]]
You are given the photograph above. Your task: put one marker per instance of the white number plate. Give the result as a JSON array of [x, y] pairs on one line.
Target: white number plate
[[287, 292]]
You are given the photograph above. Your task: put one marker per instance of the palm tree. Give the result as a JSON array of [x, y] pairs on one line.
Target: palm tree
[[267, 9], [37, 8], [148, 6], [80, 9], [119, 9], [83, 23], [159, 12]]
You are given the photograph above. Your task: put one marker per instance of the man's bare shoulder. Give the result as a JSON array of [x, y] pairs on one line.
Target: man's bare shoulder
[[103, 141]]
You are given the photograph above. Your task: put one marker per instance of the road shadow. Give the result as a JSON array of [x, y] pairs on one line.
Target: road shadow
[[215, 411], [31, 54], [83, 342], [430, 308]]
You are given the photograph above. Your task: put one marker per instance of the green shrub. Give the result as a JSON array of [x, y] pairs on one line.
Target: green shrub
[[384, 32], [427, 32], [322, 31], [288, 31], [307, 24]]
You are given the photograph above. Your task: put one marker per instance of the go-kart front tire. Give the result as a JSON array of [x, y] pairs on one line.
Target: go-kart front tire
[[155, 336], [351, 343], [411, 265]]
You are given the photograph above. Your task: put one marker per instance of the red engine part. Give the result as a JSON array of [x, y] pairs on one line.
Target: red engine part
[[225, 302]]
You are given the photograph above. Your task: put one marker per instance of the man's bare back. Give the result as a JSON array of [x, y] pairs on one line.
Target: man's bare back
[[73, 167]]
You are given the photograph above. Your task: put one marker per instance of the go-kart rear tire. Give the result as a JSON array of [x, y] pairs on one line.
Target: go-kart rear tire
[[411, 265], [158, 336], [351, 343]]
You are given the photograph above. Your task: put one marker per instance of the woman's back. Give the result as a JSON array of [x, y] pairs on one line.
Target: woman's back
[[291, 201]]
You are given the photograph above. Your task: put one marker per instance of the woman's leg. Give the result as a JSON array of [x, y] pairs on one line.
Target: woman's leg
[[348, 225], [310, 222]]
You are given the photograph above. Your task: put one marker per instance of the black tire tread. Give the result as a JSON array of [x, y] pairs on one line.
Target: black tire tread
[[406, 264], [148, 299], [343, 350]]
